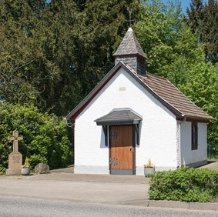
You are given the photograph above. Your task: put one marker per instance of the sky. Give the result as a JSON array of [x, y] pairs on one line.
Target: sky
[[184, 3]]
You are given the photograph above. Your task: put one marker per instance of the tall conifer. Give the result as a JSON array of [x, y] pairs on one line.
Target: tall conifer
[[210, 30], [195, 16], [203, 20]]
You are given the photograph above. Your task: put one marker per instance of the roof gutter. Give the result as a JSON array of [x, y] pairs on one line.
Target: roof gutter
[[192, 118]]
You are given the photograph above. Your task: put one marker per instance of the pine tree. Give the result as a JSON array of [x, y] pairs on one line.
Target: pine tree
[[210, 31], [86, 35], [54, 53], [203, 20], [17, 22], [195, 16]]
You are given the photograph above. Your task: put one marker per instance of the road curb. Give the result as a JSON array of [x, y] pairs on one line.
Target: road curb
[[182, 205]]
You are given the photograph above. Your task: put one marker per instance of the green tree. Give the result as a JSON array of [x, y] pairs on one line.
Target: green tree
[[210, 30], [169, 44], [203, 21], [54, 54], [15, 57], [202, 88], [29, 72], [173, 51], [93, 37], [195, 16]]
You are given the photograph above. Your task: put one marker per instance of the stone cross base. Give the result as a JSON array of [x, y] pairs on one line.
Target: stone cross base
[[13, 172], [14, 164]]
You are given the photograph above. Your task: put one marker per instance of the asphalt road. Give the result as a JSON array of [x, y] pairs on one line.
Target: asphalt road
[[84, 188], [26, 207]]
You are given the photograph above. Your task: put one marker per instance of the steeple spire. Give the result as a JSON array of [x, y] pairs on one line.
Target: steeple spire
[[131, 53]]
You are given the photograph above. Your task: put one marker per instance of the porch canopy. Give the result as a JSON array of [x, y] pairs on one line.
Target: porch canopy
[[119, 117]]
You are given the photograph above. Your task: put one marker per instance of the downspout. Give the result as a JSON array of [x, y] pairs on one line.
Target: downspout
[[178, 138], [178, 141]]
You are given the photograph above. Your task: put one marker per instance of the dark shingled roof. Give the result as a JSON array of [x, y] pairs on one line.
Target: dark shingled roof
[[129, 45], [173, 96], [117, 117]]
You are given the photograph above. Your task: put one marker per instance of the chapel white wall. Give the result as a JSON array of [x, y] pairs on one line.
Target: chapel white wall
[[189, 156], [158, 129]]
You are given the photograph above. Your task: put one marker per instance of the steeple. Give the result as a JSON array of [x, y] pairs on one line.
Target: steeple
[[130, 52]]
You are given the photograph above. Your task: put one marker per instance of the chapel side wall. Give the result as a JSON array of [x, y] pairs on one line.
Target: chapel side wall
[[191, 157], [158, 129]]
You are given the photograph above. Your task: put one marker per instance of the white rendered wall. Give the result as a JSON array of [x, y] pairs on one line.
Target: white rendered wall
[[189, 156], [158, 129]]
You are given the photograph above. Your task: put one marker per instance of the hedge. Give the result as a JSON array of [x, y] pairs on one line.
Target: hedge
[[185, 184]]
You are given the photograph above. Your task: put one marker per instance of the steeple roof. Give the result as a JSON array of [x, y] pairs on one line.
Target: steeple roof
[[129, 45]]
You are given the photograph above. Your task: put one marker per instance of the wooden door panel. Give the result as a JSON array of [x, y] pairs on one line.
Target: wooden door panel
[[122, 150]]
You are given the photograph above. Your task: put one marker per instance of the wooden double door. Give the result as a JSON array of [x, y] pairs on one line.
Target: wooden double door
[[122, 150]]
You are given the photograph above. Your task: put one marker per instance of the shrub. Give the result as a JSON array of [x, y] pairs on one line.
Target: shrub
[[44, 136], [185, 184], [2, 170]]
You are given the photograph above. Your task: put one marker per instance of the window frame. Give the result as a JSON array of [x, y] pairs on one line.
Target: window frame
[[194, 136], [137, 138], [105, 130]]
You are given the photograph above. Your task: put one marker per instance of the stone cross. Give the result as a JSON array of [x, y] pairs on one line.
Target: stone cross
[[15, 157], [15, 138]]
